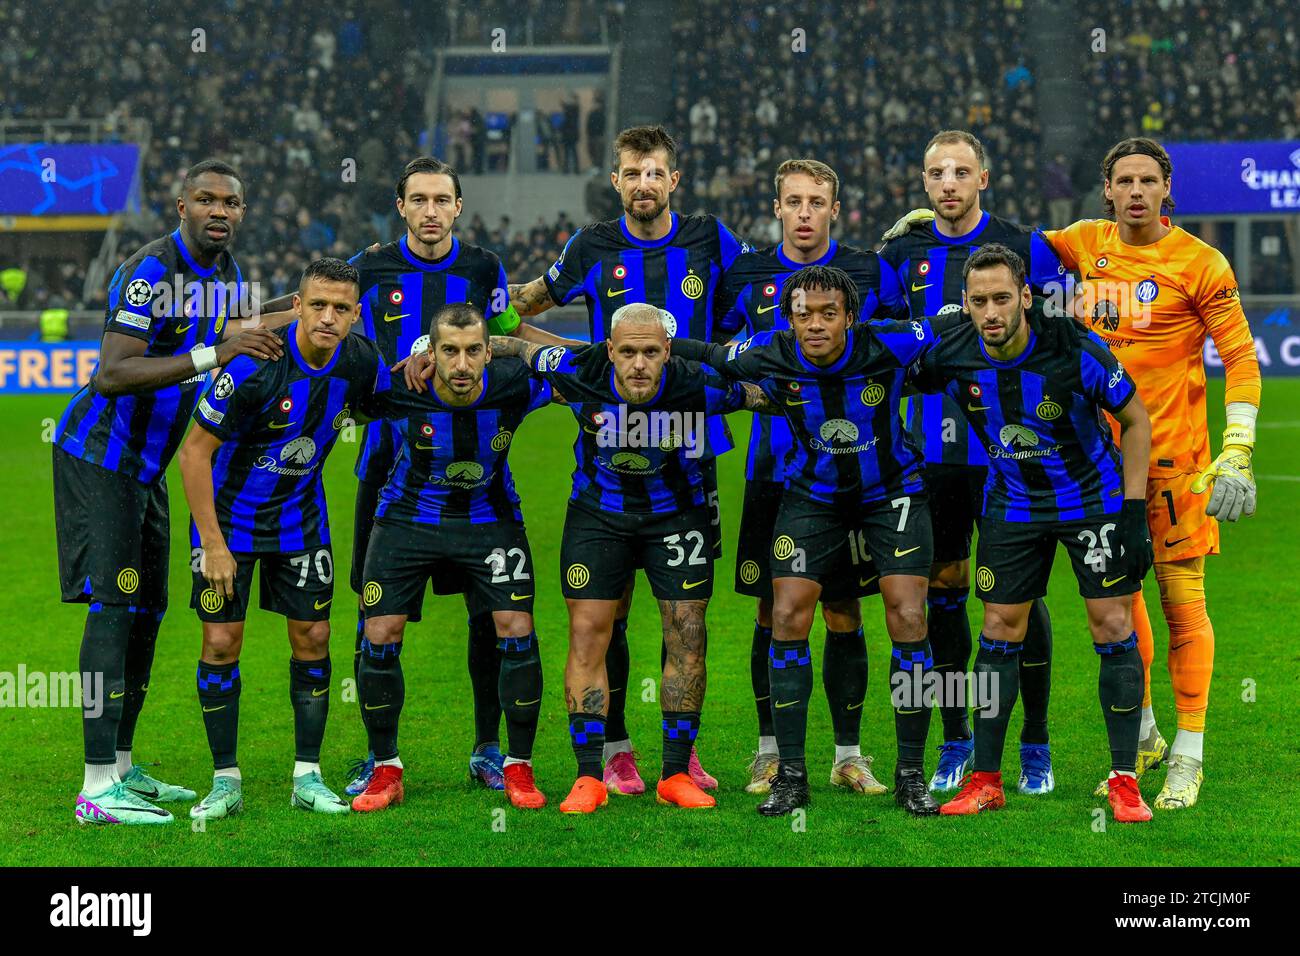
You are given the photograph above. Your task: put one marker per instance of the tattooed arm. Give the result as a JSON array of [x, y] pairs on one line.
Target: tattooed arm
[[531, 298], [756, 401], [508, 345]]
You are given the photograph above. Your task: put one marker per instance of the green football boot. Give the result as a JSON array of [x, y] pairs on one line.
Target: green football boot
[[310, 793], [226, 799], [155, 791]]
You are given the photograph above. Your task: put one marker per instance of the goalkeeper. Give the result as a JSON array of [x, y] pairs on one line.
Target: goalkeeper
[[1154, 293]]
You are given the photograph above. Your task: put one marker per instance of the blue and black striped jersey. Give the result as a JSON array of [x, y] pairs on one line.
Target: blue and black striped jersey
[[751, 300], [451, 464], [1051, 454], [929, 268], [278, 422], [637, 458], [400, 294], [681, 272], [163, 297], [850, 446]]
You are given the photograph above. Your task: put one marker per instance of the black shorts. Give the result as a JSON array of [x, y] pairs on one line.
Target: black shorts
[[298, 584], [709, 467], [1014, 558], [956, 502], [114, 535], [851, 547], [600, 550], [754, 548], [491, 561]]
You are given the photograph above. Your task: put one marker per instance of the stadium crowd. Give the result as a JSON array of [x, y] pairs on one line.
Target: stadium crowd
[[885, 78]]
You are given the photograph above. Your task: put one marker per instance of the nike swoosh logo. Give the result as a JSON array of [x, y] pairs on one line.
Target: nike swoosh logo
[[903, 554], [1174, 647], [185, 328], [525, 703], [767, 697], [519, 597], [981, 804], [1170, 544], [693, 584], [906, 713], [213, 710], [1090, 276], [275, 425], [394, 318], [116, 694], [978, 408], [610, 293], [801, 401], [320, 693], [378, 707], [156, 810], [1107, 582], [918, 288], [150, 794], [1034, 663], [761, 311], [789, 703], [427, 447], [1123, 710], [853, 706], [863, 584], [320, 605]]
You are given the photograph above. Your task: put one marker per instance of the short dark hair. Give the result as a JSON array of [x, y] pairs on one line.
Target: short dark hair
[[334, 270], [217, 166], [643, 140], [427, 164], [949, 137], [821, 279], [1137, 146], [990, 256], [458, 315]]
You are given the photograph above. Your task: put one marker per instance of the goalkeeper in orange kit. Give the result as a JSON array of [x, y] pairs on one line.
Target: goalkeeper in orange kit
[[1154, 292]]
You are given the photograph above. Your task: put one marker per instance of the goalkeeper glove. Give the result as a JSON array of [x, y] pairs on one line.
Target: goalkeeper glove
[[1137, 553], [917, 217], [1231, 474]]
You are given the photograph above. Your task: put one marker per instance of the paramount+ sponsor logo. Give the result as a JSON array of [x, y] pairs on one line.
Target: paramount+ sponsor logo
[[839, 436], [1020, 443]]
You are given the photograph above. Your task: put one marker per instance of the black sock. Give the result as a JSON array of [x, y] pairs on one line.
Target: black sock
[[587, 731], [484, 678], [618, 668], [309, 692], [950, 640], [680, 728], [104, 646], [356, 659], [382, 691], [758, 650], [790, 674], [520, 691], [219, 686], [1036, 674], [844, 676], [1119, 687], [1001, 661], [908, 665], [139, 663]]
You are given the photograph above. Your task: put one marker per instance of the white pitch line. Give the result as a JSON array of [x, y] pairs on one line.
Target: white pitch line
[[1277, 425], [1280, 477]]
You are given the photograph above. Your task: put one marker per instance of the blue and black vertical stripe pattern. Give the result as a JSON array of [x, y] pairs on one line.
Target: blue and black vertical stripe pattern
[[452, 462], [278, 422], [850, 447], [750, 299], [929, 269], [164, 298], [1039, 418], [617, 469], [681, 272], [400, 294]]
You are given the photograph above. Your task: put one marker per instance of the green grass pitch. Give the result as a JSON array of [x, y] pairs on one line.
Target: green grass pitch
[[1248, 804]]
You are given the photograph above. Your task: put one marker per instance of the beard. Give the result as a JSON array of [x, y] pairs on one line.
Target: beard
[[956, 214], [1010, 328], [648, 216]]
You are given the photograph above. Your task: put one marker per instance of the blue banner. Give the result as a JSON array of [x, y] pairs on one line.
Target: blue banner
[[38, 179], [1236, 178], [43, 368]]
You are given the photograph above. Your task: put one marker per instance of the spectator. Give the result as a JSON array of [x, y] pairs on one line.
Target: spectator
[[1058, 190], [597, 120], [569, 130]]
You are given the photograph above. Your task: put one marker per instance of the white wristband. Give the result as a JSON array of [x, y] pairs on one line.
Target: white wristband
[[204, 358]]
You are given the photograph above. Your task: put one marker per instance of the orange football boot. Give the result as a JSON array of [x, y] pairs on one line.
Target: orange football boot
[[587, 796], [982, 791], [521, 790], [680, 790], [1126, 799], [383, 791]]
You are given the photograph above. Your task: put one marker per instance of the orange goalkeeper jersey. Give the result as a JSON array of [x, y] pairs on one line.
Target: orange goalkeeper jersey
[[1154, 306]]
